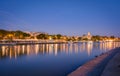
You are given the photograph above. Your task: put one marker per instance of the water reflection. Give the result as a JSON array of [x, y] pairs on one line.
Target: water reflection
[[7, 51]]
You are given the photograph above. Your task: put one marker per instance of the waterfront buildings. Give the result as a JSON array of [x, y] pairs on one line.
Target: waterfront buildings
[[87, 36]]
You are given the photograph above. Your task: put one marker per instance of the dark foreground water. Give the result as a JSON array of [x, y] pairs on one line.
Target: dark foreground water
[[48, 59]]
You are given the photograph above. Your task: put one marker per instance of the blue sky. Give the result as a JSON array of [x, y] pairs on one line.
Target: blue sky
[[68, 17]]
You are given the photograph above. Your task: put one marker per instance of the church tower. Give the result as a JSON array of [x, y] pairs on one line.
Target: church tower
[[89, 36]]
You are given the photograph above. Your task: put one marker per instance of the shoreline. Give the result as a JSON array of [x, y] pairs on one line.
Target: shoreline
[[32, 43], [113, 67], [95, 66], [46, 42]]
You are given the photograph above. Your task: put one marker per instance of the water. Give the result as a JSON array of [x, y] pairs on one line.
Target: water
[[48, 59]]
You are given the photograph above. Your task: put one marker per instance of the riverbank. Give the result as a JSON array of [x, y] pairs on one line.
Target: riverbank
[[25, 43], [96, 66], [113, 67]]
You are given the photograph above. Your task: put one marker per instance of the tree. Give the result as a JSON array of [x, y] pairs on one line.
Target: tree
[[96, 38], [53, 37], [112, 37], [43, 36], [73, 38], [79, 38], [86, 39], [26, 35], [3, 33], [20, 34], [59, 36]]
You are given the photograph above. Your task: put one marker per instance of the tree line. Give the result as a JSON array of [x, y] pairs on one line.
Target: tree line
[[5, 34]]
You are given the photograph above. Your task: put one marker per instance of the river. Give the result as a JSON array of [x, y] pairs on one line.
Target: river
[[49, 59]]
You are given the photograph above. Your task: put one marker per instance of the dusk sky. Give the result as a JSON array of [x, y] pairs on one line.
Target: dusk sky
[[67, 17]]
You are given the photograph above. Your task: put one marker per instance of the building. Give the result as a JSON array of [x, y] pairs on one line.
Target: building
[[87, 36]]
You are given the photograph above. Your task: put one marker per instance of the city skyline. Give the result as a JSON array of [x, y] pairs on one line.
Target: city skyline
[[67, 17]]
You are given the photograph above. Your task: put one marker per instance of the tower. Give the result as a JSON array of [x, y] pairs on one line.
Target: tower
[[89, 36]]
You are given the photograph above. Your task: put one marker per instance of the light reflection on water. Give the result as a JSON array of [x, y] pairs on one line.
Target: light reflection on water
[[72, 55], [17, 50]]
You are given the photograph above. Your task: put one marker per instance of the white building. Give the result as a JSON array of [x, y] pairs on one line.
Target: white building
[[88, 36]]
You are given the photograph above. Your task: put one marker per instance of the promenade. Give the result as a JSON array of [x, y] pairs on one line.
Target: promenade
[[113, 67], [107, 64]]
